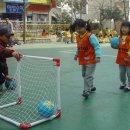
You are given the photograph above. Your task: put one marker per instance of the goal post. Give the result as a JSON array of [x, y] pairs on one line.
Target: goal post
[[9, 98], [37, 79]]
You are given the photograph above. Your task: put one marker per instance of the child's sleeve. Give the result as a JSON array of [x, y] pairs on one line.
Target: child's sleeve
[[5, 69], [5, 53], [94, 42]]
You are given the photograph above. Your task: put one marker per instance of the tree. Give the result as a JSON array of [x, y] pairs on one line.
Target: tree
[[74, 5], [109, 14], [98, 7], [107, 11], [126, 9], [61, 3], [63, 18]]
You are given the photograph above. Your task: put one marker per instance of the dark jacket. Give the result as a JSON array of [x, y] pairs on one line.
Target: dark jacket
[[4, 53]]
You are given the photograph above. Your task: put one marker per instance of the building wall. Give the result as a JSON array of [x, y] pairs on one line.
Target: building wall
[[35, 12], [94, 5], [94, 9]]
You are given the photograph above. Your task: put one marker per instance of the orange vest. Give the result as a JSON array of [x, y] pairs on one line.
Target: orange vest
[[123, 48], [86, 52]]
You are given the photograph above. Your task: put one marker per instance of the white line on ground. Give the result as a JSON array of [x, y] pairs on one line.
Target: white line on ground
[[73, 52], [67, 52], [109, 56]]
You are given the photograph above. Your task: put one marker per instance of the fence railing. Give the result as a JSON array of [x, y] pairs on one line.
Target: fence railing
[[34, 30]]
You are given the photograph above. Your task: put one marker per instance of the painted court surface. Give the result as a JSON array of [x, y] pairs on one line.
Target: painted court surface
[[106, 109]]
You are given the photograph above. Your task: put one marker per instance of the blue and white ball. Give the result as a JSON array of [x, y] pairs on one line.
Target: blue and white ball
[[114, 42], [10, 84], [46, 108]]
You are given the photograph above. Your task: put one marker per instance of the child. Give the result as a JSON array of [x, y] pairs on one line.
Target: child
[[100, 38], [88, 53], [123, 57], [5, 38], [44, 33], [106, 39], [110, 37], [67, 36], [74, 37]]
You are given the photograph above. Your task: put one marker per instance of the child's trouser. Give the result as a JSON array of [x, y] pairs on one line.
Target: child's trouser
[[87, 73], [2, 77], [124, 71]]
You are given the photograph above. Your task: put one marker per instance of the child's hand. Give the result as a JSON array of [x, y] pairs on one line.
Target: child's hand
[[97, 60], [117, 46], [17, 55], [12, 49], [76, 57], [128, 53], [8, 77]]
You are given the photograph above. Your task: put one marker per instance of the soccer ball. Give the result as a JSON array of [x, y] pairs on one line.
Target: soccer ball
[[114, 42], [10, 84], [46, 108]]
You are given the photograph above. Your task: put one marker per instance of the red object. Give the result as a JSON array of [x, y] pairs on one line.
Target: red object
[[39, 8], [57, 60], [58, 114], [75, 58], [44, 33], [19, 101], [25, 126], [54, 4], [86, 53], [123, 50]]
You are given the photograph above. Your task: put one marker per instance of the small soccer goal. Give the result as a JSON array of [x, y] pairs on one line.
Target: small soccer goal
[[36, 98]]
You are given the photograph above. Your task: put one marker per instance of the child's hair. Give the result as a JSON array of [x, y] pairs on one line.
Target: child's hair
[[110, 35], [105, 34], [80, 23], [126, 24], [67, 29]]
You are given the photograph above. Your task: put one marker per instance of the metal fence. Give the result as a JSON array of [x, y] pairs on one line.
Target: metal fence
[[34, 30]]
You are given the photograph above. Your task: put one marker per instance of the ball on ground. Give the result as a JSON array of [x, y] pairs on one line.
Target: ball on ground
[[10, 84], [46, 108]]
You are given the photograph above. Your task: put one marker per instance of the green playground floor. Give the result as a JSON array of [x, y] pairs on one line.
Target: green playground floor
[[106, 109]]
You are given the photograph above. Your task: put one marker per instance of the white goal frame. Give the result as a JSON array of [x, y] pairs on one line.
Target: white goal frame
[[19, 100]]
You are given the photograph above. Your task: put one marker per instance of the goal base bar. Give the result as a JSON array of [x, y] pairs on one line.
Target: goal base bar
[[7, 105], [18, 102], [26, 126]]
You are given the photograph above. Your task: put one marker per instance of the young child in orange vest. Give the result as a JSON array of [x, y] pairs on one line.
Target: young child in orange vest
[[123, 56], [88, 53]]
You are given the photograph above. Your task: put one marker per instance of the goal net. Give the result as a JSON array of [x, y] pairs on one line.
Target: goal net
[[37, 79]]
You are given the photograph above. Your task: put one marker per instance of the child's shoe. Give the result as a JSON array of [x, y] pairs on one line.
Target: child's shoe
[[122, 86], [85, 94], [126, 89], [93, 89]]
